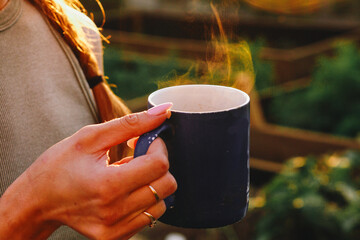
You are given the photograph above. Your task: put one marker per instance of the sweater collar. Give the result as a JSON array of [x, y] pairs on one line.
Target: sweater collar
[[10, 14]]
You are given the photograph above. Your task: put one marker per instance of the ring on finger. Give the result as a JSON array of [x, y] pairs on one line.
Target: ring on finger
[[152, 219], [155, 193]]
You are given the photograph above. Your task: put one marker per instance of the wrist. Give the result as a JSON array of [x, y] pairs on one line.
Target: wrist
[[22, 213]]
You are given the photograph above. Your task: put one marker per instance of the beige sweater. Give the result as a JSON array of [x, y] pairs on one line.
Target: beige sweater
[[44, 96]]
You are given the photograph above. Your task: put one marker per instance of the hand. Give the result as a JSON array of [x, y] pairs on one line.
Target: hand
[[73, 184]]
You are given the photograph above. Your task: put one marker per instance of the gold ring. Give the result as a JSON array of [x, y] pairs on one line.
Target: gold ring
[[152, 219], [155, 193]]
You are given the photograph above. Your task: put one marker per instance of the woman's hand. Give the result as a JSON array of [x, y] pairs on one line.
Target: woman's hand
[[73, 184]]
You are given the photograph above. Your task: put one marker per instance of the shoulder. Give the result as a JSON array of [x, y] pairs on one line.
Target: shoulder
[[81, 21], [87, 30]]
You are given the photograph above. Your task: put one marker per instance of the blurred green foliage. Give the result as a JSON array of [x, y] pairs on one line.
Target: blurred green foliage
[[313, 198], [331, 103], [136, 77], [132, 77], [264, 70]]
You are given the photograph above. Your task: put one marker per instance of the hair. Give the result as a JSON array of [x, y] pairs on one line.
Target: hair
[[109, 105]]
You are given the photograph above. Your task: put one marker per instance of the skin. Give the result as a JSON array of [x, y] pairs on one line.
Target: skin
[[72, 184]]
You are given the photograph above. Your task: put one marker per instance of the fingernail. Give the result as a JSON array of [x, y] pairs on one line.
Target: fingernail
[[160, 109]]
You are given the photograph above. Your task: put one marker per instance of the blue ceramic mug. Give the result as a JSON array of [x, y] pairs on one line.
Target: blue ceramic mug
[[207, 138]]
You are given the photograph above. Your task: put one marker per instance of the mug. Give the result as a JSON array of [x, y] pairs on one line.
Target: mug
[[207, 138]]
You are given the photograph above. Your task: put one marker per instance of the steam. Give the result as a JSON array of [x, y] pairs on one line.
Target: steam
[[230, 63]]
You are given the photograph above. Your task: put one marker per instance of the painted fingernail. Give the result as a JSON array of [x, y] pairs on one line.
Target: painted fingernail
[[160, 109]]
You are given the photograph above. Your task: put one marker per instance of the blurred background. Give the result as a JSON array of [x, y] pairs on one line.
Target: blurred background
[[299, 61]]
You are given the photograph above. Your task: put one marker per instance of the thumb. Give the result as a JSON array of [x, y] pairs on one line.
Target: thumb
[[105, 135]]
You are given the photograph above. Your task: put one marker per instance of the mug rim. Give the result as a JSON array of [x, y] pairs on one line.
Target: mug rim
[[244, 94]]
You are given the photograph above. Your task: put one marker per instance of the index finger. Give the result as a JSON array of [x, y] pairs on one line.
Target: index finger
[[101, 137]]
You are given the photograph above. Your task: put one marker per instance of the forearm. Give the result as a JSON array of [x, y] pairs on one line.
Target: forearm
[[21, 216]]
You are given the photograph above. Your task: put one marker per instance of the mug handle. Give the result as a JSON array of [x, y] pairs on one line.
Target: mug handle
[[143, 144], [146, 139]]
